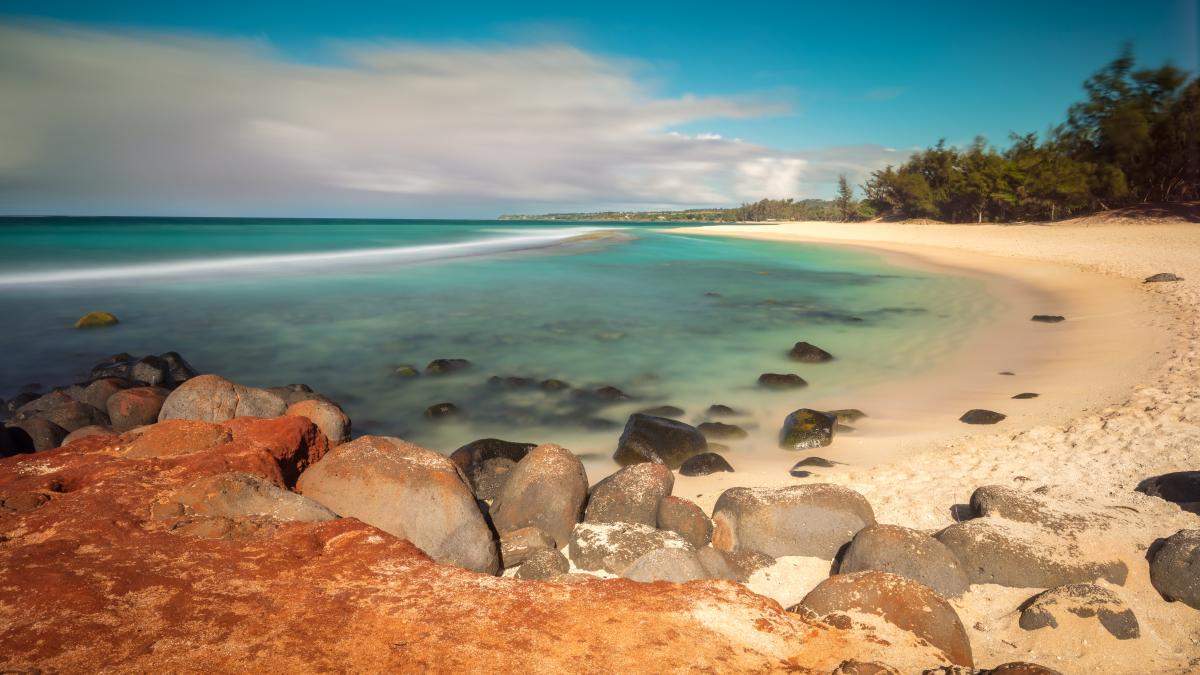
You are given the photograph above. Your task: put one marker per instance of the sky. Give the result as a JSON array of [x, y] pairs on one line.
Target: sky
[[323, 109]]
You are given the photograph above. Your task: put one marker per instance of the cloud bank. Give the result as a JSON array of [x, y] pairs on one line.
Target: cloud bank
[[97, 122]]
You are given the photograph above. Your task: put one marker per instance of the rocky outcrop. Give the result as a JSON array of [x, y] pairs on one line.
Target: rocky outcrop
[[408, 491], [808, 520], [657, 439], [547, 489]]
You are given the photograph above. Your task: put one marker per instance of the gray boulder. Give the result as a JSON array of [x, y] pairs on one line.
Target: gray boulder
[[675, 565], [1087, 601], [908, 553], [211, 398], [547, 489], [732, 565], [408, 491], [71, 415], [1023, 555], [613, 547], [813, 520], [1175, 568], [630, 495], [516, 546], [35, 434], [544, 564], [96, 393], [238, 495], [678, 515], [657, 439], [806, 428]]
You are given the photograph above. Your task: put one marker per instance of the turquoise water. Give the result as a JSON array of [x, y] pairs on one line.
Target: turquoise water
[[339, 305]]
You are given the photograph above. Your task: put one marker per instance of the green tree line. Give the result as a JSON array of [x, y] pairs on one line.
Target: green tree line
[[1134, 139]]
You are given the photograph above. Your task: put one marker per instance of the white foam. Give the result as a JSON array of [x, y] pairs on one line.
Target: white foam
[[530, 239]]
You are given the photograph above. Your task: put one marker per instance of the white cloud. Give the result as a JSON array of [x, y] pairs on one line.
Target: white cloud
[[118, 122]]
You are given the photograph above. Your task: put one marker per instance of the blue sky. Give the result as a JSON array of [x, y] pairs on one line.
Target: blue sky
[[817, 76]]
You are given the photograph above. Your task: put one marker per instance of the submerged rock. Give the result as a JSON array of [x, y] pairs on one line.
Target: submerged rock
[[704, 464], [96, 320], [663, 411], [554, 385], [657, 439], [719, 410], [1086, 601], [806, 428], [441, 410], [813, 520], [720, 430], [406, 370], [446, 366], [980, 416], [808, 353], [781, 381]]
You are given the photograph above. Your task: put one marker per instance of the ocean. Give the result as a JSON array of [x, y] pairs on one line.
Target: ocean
[[341, 304]]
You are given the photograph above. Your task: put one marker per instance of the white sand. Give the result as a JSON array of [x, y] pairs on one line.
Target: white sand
[[1120, 401]]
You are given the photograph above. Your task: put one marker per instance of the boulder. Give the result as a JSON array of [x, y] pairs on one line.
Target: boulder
[[722, 431], [781, 381], [1031, 507], [239, 495], [544, 564], [547, 489], [732, 565], [663, 411], [808, 353], [328, 417], [719, 410], [130, 408], [899, 601], [855, 667], [87, 432], [96, 320], [610, 393], [97, 392], [117, 366], [73, 415], [151, 371], [1024, 555], [295, 393], [1161, 277], [1175, 568], [516, 546], [813, 520], [980, 416], [438, 411], [806, 428], [908, 553], [1047, 318], [211, 398], [657, 439], [487, 463], [631, 495], [178, 369], [613, 547], [35, 434], [676, 565], [678, 515], [704, 464], [446, 366], [1086, 601], [407, 491], [1179, 487]]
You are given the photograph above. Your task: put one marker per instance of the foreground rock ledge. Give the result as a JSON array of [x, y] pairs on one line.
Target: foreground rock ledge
[[91, 578]]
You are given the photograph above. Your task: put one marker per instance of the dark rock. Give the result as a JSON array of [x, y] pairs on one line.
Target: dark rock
[[35, 434], [547, 490], [516, 546], [1022, 555], [806, 428], [610, 393], [1018, 668], [704, 464], [613, 547], [544, 564], [813, 520], [781, 381], [712, 294], [657, 439], [470, 457], [135, 407], [908, 553], [663, 411], [17, 402], [815, 461], [406, 370], [43, 404], [117, 366], [1085, 601], [178, 369], [1175, 568], [72, 415], [1047, 318], [719, 410], [807, 353], [980, 416], [489, 477], [510, 381], [1006, 372], [1025, 395], [856, 667], [150, 370], [901, 602], [96, 393], [1179, 487], [847, 415], [446, 366], [440, 410], [676, 565], [630, 495], [1162, 276], [407, 491], [720, 430], [799, 473], [554, 385], [678, 515]]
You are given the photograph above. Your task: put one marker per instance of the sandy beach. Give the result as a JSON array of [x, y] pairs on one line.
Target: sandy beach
[[1119, 401]]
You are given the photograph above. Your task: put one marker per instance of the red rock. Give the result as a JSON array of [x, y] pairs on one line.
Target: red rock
[[135, 407]]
